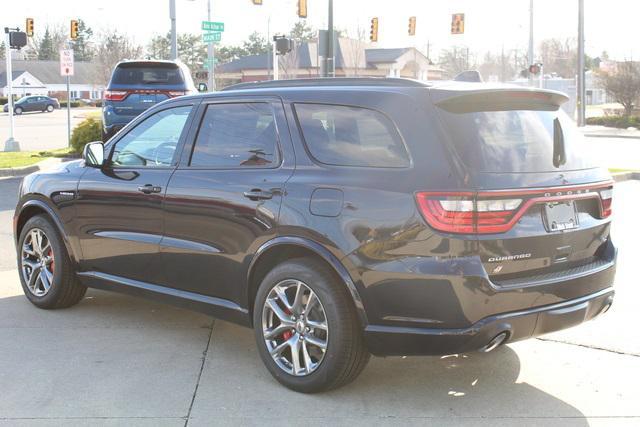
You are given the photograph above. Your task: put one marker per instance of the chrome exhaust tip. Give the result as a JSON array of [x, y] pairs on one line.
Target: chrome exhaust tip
[[495, 342]]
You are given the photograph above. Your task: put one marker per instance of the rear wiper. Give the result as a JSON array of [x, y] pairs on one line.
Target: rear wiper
[[559, 154]]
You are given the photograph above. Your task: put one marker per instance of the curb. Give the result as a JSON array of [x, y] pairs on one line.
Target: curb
[[625, 176], [599, 135], [12, 172], [26, 170]]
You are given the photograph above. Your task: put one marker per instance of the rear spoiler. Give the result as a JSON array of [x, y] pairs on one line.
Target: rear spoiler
[[503, 99]]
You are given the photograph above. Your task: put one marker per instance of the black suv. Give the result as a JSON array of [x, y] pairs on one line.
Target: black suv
[[338, 218]]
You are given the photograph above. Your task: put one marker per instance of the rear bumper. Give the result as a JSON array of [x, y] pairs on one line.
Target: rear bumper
[[398, 341]]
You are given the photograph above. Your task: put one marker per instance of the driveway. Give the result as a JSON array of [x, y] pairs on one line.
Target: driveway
[[41, 131], [117, 360]]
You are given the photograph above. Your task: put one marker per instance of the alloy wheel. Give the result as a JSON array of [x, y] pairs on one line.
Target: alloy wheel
[[37, 262], [295, 328]]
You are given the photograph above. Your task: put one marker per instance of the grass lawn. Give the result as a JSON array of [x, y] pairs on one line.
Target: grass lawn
[[27, 158], [616, 170]]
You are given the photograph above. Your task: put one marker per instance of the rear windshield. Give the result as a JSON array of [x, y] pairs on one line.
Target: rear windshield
[[160, 74], [514, 140]]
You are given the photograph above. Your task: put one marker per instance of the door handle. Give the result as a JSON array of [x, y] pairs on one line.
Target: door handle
[[148, 189], [257, 194]]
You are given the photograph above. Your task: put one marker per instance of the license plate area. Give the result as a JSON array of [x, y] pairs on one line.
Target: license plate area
[[560, 216]]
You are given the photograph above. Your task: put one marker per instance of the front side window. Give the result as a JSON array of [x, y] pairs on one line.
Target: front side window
[[351, 136], [237, 135], [153, 142]]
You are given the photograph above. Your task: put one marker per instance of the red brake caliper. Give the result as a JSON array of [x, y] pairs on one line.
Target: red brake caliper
[[50, 255], [287, 334]]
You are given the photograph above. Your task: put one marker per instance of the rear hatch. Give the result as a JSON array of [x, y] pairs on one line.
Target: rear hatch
[[538, 206], [137, 86]]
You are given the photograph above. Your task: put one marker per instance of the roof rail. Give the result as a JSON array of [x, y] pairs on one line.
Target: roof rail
[[329, 81]]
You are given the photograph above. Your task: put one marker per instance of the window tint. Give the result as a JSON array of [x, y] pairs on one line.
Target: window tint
[[153, 142], [161, 74], [351, 136], [236, 135]]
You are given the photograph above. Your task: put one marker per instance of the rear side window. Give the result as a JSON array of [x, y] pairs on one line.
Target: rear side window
[[160, 74], [514, 140], [237, 135], [351, 136]]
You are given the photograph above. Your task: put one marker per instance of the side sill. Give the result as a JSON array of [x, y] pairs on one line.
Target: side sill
[[216, 307]]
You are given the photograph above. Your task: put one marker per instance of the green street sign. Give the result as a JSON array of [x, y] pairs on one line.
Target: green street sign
[[212, 26], [206, 64], [211, 37]]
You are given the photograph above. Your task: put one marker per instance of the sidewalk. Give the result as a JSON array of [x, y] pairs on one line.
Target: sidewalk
[[607, 132]]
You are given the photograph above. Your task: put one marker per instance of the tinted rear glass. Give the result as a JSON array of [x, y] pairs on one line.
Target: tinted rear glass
[[351, 136], [147, 74], [514, 140]]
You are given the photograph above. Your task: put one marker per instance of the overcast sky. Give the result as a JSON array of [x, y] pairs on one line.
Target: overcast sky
[[490, 24]]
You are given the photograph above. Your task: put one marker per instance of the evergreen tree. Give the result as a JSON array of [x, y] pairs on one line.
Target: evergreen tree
[[46, 50], [82, 49]]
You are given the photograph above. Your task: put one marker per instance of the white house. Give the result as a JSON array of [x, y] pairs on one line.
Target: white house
[[43, 78]]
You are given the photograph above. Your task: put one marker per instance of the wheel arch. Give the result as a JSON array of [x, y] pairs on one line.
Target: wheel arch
[[34, 207], [288, 247]]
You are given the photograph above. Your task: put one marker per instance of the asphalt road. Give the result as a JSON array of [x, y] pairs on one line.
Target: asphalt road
[[117, 360], [41, 131]]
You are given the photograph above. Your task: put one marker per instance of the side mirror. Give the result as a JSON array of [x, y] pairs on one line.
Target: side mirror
[[93, 154], [202, 87]]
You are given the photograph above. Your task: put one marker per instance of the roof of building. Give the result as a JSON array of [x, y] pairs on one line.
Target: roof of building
[[3, 76], [349, 52], [48, 72]]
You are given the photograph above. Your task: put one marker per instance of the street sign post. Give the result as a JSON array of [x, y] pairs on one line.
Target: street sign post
[[212, 26], [211, 37], [66, 69]]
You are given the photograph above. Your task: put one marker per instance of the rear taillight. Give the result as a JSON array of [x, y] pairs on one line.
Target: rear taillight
[[174, 93], [489, 212], [606, 197], [464, 213], [115, 95]]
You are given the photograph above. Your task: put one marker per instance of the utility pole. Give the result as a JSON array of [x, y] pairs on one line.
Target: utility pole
[[330, 69], [174, 34], [530, 58], [581, 72], [10, 144]]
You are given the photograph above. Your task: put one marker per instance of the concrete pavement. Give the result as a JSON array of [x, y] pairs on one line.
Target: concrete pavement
[[41, 131], [116, 360]]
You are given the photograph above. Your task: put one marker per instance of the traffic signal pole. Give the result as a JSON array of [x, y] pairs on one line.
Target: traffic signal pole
[[330, 69], [581, 73], [10, 144], [530, 55], [174, 34], [210, 55]]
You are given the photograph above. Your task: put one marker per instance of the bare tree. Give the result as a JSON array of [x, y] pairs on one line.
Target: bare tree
[[354, 51], [110, 49], [289, 63], [623, 85]]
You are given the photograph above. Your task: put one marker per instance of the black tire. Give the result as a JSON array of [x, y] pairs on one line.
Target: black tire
[[17, 111], [346, 355], [66, 290], [49, 108]]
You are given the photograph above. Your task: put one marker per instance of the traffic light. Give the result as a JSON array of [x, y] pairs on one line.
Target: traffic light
[[457, 23], [373, 36], [302, 8], [412, 26], [29, 27], [74, 29], [258, 2]]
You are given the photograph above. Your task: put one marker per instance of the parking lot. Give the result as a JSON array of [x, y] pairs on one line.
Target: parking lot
[[118, 360], [42, 131]]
